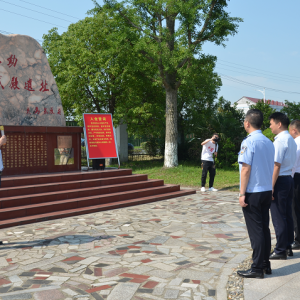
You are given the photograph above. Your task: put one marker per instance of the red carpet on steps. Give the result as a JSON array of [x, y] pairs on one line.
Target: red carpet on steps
[[34, 198]]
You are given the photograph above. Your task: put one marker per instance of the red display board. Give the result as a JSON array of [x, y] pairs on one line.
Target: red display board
[[100, 136]]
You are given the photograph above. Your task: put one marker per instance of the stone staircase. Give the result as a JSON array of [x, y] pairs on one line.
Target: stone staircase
[[29, 199]]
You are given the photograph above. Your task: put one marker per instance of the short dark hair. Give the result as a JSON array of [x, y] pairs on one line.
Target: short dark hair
[[216, 134], [296, 124], [280, 117], [255, 117]]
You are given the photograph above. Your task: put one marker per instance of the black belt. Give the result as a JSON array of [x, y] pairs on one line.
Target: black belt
[[285, 176]]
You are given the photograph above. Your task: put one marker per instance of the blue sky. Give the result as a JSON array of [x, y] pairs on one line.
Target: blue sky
[[265, 52]]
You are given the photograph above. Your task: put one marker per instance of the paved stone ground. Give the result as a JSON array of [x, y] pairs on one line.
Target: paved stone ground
[[183, 248], [283, 284]]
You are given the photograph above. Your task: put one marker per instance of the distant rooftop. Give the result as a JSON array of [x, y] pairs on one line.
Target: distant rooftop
[[271, 102]]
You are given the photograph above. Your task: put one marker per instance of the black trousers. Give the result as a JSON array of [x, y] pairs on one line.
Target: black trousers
[[257, 220], [208, 166], [282, 216], [296, 206]]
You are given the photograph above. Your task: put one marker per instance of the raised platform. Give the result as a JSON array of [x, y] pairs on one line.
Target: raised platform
[[35, 198]]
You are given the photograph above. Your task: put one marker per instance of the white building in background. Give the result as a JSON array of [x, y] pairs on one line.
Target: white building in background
[[245, 102]]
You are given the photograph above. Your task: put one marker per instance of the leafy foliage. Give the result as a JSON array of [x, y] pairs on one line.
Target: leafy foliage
[[268, 133], [292, 110], [99, 72], [267, 110], [171, 37]]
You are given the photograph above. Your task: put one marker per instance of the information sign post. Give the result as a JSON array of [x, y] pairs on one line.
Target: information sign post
[[100, 139]]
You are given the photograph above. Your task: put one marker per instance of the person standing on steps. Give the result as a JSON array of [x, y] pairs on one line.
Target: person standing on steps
[[294, 130], [256, 161], [2, 142], [209, 149], [281, 206]]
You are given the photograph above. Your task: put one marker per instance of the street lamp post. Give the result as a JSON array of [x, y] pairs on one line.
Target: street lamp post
[[264, 93]]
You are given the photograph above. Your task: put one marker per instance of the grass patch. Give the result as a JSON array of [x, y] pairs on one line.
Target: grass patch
[[187, 174]]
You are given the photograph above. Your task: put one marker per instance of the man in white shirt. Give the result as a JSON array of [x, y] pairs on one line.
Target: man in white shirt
[[282, 181], [294, 130], [210, 148]]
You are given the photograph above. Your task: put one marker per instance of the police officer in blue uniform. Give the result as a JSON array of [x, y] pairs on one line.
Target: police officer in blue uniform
[[256, 169], [281, 207]]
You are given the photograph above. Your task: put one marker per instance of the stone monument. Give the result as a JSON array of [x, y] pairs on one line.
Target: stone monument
[[32, 113], [28, 93]]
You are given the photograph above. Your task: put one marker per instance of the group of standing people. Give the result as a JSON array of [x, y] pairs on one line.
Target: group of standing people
[[270, 182]]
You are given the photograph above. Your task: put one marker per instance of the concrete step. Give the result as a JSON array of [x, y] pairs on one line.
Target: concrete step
[[91, 209], [14, 181], [37, 198], [56, 206], [42, 188]]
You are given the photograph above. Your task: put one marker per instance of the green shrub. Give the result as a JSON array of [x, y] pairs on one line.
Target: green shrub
[[268, 133]]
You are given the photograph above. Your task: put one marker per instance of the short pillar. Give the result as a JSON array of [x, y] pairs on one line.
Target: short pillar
[[122, 142]]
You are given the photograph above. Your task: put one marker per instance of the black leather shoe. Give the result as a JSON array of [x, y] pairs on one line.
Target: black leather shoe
[[1, 243], [289, 252], [295, 245], [274, 255], [268, 271], [250, 274]]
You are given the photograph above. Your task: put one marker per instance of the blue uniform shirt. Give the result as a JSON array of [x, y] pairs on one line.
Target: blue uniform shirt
[[285, 152], [258, 152]]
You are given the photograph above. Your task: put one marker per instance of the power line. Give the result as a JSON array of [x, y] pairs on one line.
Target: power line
[[255, 85], [49, 9], [257, 69], [32, 18], [284, 80], [35, 11], [5, 32]]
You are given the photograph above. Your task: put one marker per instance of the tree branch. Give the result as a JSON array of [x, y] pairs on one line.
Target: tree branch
[[94, 100], [136, 26], [205, 23]]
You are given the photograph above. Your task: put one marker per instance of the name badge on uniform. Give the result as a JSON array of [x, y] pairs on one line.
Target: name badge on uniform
[[244, 148]]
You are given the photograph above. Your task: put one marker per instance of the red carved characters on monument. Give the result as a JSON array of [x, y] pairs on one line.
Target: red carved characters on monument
[[37, 111], [28, 111], [14, 83], [51, 111], [44, 86], [12, 61], [28, 86], [45, 111], [59, 111]]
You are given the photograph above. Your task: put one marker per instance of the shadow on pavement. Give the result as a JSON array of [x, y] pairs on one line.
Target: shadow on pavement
[[64, 239]]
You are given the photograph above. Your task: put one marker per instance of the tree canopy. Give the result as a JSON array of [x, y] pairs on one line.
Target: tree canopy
[[292, 110], [172, 33], [267, 110]]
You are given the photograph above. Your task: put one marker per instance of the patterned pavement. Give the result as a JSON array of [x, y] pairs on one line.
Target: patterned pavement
[[184, 248]]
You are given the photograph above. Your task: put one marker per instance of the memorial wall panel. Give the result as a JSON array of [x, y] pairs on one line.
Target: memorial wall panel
[[31, 150]]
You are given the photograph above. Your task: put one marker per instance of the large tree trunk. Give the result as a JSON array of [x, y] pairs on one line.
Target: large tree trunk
[[171, 155]]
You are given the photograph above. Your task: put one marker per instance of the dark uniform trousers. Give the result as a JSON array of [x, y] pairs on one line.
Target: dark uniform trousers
[[210, 167], [257, 220], [296, 206], [282, 216]]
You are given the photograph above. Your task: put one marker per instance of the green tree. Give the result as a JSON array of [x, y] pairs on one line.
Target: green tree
[[266, 109], [196, 96], [172, 35], [97, 71], [292, 110]]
